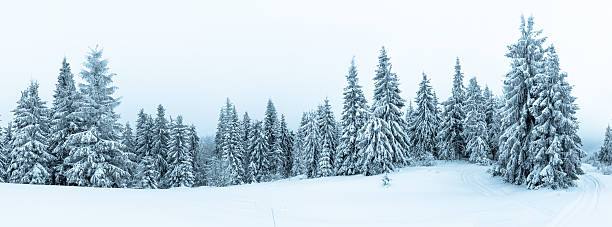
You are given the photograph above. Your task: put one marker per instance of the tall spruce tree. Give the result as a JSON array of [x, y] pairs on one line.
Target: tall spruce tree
[[492, 121], [354, 116], [63, 120], [452, 143], [96, 157], [384, 144], [233, 149], [270, 128], [425, 124], [328, 136], [311, 145], [475, 131], [527, 125], [147, 173], [259, 163], [180, 158], [30, 159], [514, 164], [556, 146], [287, 147], [160, 142], [299, 157]]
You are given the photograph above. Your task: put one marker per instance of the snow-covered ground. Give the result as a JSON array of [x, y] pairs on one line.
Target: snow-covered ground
[[448, 194]]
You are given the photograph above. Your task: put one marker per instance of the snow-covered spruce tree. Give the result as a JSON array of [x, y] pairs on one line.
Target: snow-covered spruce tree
[[259, 162], [193, 148], [425, 124], [96, 157], [452, 143], [233, 149], [514, 161], [3, 157], [354, 116], [475, 131], [517, 158], [7, 147], [555, 146], [492, 121], [384, 144], [270, 129], [30, 159], [286, 143], [298, 158], [63, 121], [328, 135], [311, 145], [245, 130], [129, 141], [160, 142], [604, 156], [180, 173], [147, 173]]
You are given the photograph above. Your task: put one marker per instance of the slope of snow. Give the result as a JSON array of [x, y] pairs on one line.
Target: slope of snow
[[448, 194]]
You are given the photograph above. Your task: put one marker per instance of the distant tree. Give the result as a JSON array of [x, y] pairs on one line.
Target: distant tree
[[452, 143], [259, 162], [180, 173], [425, 124], [328, 136], [605, 153]]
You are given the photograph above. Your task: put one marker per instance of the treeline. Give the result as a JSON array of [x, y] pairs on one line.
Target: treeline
[[79, 142], [529, 134]]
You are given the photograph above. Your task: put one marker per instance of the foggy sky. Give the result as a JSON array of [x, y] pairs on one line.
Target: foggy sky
[[191, 55]]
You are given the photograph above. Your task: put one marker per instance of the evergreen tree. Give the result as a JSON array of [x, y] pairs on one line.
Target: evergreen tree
[[7, 147], [127, 139], [233, 149], [452, 143], [475, 113], [299, 157], [555, 144], [475, 131], [246, 131], [3, 157], [517, 123], [311, 145], [384, 144], [193, 147], [160, 139], [538, 100], [270, 128], [491, 119], [180, 173], [286, 144], [96, 157], [258, 158], [63, 122], [30, 161], [425, 124], [354, 116], [605, 153], [147, 173], [328, 132]]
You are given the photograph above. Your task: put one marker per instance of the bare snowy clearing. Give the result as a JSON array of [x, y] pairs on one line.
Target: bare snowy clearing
[[448, 194]]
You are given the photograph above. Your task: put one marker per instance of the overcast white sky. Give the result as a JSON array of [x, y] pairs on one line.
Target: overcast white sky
[[191, 55]]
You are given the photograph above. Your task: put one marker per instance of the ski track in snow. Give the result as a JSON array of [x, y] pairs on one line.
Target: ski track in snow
[[482, 184], [586, 202]]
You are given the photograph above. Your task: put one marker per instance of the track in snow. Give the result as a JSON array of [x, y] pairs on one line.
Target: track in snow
[[584, 205]]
